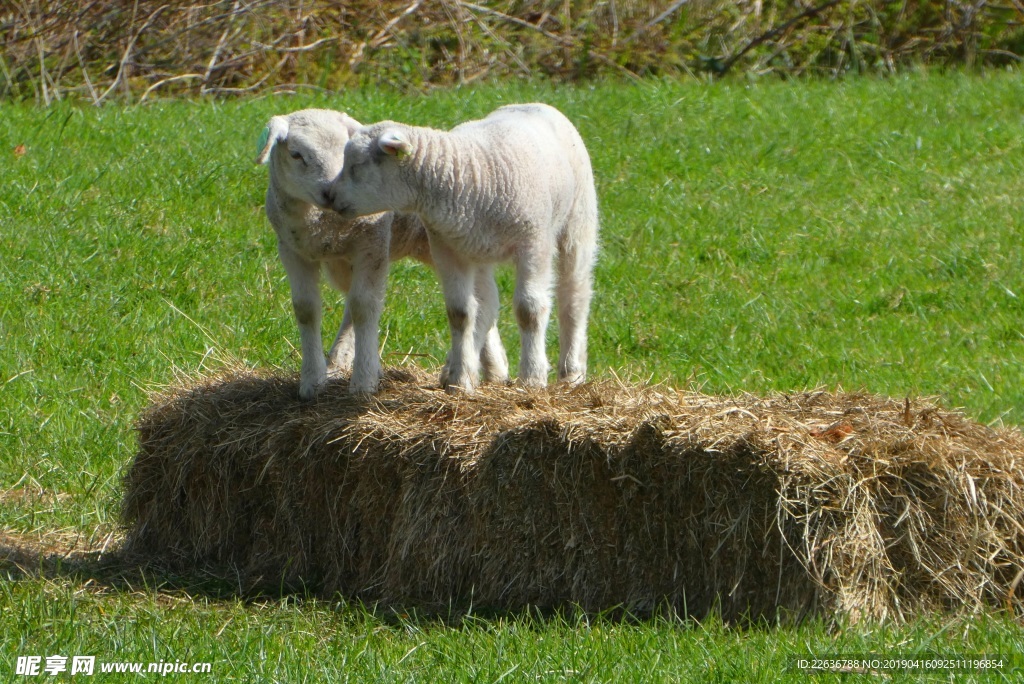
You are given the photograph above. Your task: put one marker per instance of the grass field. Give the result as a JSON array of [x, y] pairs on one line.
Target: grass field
[[755, 237]]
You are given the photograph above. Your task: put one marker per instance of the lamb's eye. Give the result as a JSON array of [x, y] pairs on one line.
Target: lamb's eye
[[357, 168], [298, 156]]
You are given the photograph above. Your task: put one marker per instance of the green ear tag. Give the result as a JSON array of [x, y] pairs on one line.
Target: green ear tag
[[264, 137]]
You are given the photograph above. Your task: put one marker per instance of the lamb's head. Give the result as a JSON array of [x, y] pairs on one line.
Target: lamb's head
[[373, 178], [305, 150]]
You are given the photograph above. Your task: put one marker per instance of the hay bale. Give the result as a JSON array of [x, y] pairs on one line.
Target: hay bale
[[604, 495]]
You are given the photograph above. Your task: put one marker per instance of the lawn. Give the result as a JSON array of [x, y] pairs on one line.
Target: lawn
[[756, 236]]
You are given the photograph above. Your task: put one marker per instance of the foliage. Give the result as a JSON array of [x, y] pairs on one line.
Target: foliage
[[137, 50]]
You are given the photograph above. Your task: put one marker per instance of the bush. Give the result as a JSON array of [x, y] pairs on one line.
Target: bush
[[134, 50]]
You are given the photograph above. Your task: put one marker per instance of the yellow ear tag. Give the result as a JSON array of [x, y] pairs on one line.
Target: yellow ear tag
[[401, 154]]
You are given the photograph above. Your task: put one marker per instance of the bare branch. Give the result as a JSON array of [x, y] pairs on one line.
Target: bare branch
[[128, 52], [654, 22], [776, 31]]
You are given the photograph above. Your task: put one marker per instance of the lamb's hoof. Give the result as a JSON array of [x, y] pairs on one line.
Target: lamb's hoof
[[573, 379], [466, 386], [497, 377], [532, 383], [364, 387], [312, 378], [308, 391]]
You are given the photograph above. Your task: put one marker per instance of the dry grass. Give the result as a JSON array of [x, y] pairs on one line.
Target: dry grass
[[607, 496], [112, 49]]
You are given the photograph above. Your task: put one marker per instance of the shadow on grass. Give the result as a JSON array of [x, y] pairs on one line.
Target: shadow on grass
[[104, 566], [65, 559]]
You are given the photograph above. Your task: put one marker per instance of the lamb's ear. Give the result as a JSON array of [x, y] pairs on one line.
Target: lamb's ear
[[392, 142], [275, 132], [350, 124]]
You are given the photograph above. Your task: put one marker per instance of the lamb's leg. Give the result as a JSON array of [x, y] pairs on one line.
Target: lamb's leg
[[365, 302], [532, 304], [339, 359], [574, 292], [457, 282], [492, 354], [303, 279]]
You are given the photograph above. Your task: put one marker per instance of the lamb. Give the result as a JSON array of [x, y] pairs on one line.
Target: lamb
[[515, 186], [304, 151]]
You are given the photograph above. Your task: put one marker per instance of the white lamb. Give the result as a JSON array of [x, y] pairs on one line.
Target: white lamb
[[305, 153], [515, 186]]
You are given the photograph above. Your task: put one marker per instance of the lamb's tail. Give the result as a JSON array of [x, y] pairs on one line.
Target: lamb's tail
[[577, 252]]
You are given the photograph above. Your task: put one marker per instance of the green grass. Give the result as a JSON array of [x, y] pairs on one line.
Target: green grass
[[756, 237], [299, 641]]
